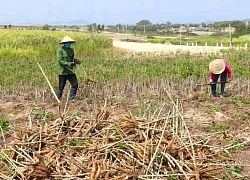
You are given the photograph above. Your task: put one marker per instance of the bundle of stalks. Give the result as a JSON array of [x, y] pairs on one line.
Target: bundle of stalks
[[111, 147]]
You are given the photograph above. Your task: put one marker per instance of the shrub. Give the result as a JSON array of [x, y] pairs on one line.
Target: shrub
[[4, 123]]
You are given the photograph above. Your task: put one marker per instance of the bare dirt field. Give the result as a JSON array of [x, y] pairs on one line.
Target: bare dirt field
[[164, 48], [157, 48]]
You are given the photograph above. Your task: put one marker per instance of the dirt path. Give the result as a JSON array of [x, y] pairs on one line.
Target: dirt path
[[163, 48]]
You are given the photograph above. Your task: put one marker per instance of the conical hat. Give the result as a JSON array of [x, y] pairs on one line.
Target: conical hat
[[217, 66], [67, 39]]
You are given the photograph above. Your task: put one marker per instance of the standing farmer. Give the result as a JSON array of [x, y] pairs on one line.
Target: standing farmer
[[219, 68], [66, 65]]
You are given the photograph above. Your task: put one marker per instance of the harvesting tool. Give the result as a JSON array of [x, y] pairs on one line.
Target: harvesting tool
[[212, 83], [199, 85]]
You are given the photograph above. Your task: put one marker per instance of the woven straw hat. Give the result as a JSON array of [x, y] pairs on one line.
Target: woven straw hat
[[217, 66], [67, 39]]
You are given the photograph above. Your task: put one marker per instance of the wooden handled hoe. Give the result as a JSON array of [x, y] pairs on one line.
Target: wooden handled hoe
[[212, 83]]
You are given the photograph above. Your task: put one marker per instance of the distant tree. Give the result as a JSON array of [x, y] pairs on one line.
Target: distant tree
[[160, 26], [148, 28], [90, 28], [77, 28], [46, 27], [144, 22], [194, 25], [134, 29], [94, 27], [118, 27], [5, 26], [203, 24], [241, 29], [176, 25], [98, 27], [102, 27], [10, 26], [220, 24], [168, 25]]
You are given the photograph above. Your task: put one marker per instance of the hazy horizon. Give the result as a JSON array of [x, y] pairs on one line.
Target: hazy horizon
[[111, 12]]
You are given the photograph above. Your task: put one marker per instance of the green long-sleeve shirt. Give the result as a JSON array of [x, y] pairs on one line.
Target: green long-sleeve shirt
[[64, 57]]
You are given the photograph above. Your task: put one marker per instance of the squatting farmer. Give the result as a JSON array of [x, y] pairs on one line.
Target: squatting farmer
[[219, 68], [66, 66]]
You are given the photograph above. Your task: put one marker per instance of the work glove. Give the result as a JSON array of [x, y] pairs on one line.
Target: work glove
[[211, 81], [77, 61]]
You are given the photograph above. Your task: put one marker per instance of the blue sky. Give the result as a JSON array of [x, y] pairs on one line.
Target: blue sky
[[122, 11]]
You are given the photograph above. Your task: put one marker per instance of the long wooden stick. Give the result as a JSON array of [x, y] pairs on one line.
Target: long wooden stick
[[51, 88], [159, 143], [212, 83], [2, 133], [187, 131]]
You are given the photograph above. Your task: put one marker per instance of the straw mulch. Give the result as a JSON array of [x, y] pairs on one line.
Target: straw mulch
[[157, 146]]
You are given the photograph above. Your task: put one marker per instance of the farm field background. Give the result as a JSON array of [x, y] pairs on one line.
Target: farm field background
[[125, 83], [164, 48]]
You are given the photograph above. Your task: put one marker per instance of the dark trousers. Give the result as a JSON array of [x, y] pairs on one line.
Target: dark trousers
[[74, 85], [223, 78]]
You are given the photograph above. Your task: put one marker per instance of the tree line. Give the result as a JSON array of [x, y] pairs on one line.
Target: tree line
[[241, 27]]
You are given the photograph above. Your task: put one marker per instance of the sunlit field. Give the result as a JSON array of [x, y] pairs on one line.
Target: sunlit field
[[140, 116]]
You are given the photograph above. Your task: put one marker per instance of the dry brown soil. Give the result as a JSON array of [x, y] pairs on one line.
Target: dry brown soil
[[201, 116]]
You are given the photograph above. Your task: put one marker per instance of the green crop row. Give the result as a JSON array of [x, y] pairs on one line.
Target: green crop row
[[203, 40], [17, 44]]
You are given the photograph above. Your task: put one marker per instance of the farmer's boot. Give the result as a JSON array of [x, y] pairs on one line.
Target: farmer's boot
[[213, 89], [222, 89], [72, 93], [59, 94]]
